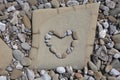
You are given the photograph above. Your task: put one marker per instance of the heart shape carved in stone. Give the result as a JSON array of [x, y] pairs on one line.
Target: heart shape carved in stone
[[71, 47]]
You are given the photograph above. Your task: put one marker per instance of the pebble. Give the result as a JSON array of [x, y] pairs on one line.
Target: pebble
[[117, 46], [98, 75], [26, 61], [75, 35], [117, 55], [118, 78], [9, 69], [11, 8], [42, 72], [105, 24], [26, 21], [114, 72], [32, 2], [69, 32], [111, 4], [60, 70], [46, 77], [3, 78], [30, 74], [16, 74], [115, 64], [108, 68], [69, 69], [92, 66], [25, 46], [55, 3], [14, 20], [78, 75], [91, 78], [55, 77], [112, 19], [112, 29], [51, 73], [90, 72], [102, 33], [48, 5], [53, 50], [2, 26], [26, 7], [111, 78], [48, 37], [72, 3], [18, 55], [21, 37], [19, 66]]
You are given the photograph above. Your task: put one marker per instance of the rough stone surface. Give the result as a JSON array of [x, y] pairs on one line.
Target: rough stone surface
[[61, 23], [16, 74], [5, 55]]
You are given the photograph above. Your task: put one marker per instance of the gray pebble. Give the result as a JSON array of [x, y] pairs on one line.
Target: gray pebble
[[60, 70], [117, 55], [114, 72], [18, 55], [48, 5], [25, 46], [92, 66], [2, 26], [9, 69]]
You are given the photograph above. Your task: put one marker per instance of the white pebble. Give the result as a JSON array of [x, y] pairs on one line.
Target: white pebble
[[3, 78], [48, 5], [69, 32], [46, 77], [60, 70], [114, 72], [111, 4], [48, 36], [105, 24], [85, 1], [11, 8], [102, 33], [72, 3], [19, 66], [117, 55], [30, 74], [21, 37], [2, 26], [42, 72]]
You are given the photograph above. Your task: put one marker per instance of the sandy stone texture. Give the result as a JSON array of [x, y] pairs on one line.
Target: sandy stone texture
[[81, 19]]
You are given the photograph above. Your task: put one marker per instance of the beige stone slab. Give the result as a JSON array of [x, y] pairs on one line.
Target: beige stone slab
[[5, 55], [81, 19]]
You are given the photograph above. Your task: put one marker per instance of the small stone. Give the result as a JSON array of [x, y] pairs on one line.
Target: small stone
[[116, 38], [52, 49], [72, 3], [18, 55], [78, 75], [55, 77], [69, 50], [48, 36], [118, 78], [69, 69], [102, 33], [98, 75], [21, 37], [105, 24], [60, 70], [112, 29], [117, 46], [16, 74], [108, 68], [58, 55], [46, 77], [2, 26], [19, 66], [32, 2], [115, 64], [74, 35], [114, 72], [51, 73], [3, 17], [3, 78], [26, 21], [26, 7], [102, 42], [30, 74], [91, 78], [9, 69], [92, 66], [69, 32], [48, 5], [55, 3], [111, 4], [117, 55], [11, 8], [14, 20], [112, 19], [25, 46], [74, 43], [26, 61], [64, 55], [85, 70], [42, 72], [111, 78], [90, 72]]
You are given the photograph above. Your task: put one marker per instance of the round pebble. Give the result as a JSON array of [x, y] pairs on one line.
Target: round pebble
[[25, 46], [60, 70]]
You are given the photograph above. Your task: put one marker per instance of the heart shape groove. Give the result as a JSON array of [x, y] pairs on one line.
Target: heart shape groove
[[69, 50]]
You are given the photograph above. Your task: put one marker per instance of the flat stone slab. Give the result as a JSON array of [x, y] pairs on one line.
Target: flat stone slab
[[5, 55], [53, 24]]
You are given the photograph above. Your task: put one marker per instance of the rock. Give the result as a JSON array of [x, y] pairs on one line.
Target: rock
[[115, 11], [117, 46], [3, 78], [46, 77], [102, 33], [72, 3], [117, 55], [103, 78], [111, 78], [3, 17], [14, 20], [30, 74], [118, 78], [115, 64], [112, 19], [51, 73], [2, 26], [25, 46], [11, 8], [26, 7], [48, 36], [69, 69], [98, 75], [64, 55], [48, 5], [32, 2], [26, 21], [92, 66], [90, 72], [112, 29], [16, 74], [53, 50], [39, 78], [105, 24], [60, 70], [21, 37], [114, 72], [78, 75], [2, 7], [85, 70], [111, 4], [74, 43], [74, 35], [116, 38], [113, 51], [19, 66], [9, 69], [108, 68], [42, 72], [91, 78], [18, 55], [55, 3], [26, 61], [69, 32], [58, 55], [55, 77], [5, 56]]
